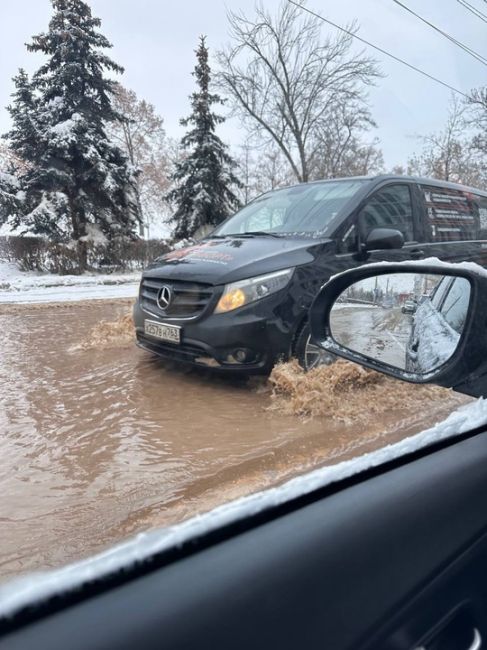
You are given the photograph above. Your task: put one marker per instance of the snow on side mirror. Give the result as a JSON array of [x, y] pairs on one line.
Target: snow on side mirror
[[417, 322]]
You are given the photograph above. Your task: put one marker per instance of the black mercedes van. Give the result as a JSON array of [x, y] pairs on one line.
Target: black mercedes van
[[238, 300]]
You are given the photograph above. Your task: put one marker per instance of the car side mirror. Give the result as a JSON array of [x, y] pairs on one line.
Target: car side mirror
[[361, 315], [383, 239]]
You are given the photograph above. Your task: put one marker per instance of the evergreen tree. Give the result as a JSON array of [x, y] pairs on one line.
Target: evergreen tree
[[23, 142], [78, 184], [23, 133], [203, 195], [23, 112], [9, 197]]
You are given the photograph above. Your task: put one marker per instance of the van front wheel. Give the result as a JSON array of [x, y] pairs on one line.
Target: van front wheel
[[308, 354]]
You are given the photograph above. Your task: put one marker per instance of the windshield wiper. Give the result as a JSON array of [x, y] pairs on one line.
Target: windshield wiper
[[255, 233], [251, 233]]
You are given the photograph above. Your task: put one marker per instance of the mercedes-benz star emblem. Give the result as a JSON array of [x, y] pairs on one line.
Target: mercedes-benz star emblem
[[164, 297]]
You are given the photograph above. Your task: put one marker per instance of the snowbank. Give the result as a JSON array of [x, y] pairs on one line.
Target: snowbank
[[30, 287]]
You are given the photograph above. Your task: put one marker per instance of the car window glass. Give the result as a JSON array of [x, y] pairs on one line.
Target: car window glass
[[305, 208], [390, 207], [264, 219], [440, 292], [452, 215], [481, 203], [157, 276], [455, 306]]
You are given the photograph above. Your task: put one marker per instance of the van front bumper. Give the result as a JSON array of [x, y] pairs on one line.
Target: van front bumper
[[248, 340]]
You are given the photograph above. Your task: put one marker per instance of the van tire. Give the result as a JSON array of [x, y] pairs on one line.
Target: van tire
[[310, 356]]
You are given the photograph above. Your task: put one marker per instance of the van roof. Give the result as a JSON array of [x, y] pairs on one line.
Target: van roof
[[413, 179]]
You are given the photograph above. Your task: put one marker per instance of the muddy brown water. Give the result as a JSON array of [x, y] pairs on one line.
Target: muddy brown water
[[100, 443]]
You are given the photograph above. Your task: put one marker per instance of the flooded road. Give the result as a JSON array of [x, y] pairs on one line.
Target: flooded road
[[381, 334], [99, 440]]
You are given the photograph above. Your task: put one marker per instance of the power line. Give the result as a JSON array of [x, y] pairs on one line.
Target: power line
[[459, 44], [473, 10], [379, 49]]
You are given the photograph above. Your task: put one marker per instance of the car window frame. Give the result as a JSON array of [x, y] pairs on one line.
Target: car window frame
[[353, 219], [91, 588], [443, 301], [448, 283], [364, 232]]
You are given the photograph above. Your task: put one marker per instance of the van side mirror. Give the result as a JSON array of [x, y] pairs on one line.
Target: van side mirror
[[364, 315], [383, 239]]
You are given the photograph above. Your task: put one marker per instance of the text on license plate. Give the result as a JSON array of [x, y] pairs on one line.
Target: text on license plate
[[162, 331]]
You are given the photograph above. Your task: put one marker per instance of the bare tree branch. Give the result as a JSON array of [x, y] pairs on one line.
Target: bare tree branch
[[142, 137], [285, 81], [453, 153]]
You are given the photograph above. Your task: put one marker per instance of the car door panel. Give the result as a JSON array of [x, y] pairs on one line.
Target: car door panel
[[375, 564], [454, 604], [454, 252]]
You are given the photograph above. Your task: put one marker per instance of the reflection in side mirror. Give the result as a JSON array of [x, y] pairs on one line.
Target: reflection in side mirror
[[411, 321]]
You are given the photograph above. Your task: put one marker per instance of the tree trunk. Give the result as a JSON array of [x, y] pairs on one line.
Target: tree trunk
[[78, 222], [139, 208], [130, 148], [82, 256]]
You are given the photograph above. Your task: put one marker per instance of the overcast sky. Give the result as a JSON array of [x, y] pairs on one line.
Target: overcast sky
[[154, 40]]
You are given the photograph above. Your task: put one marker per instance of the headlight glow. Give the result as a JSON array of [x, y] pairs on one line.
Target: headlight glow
[[241, 293], [231, 300]]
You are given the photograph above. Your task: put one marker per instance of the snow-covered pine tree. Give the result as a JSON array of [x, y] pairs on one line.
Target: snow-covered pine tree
[[23, 135], [79, 185], [204, 178], [23, 143], [9, 196]]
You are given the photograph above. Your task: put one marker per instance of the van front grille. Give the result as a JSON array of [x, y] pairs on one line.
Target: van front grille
[[187, 299]]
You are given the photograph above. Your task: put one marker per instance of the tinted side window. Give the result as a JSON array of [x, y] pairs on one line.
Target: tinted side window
[[455, 307], [390, 207], [481, 202], [452, 214]]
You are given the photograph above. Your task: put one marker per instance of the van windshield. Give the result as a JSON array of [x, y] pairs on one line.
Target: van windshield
[[303, 208]]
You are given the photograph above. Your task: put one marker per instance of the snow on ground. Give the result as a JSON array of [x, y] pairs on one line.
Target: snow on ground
[[353, 305], [31, 287], [30, 589]]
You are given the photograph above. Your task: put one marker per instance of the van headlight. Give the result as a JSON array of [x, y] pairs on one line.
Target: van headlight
[[238, 294]]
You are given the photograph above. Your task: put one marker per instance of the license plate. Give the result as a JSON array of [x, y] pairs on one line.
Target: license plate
[[162, 331]]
